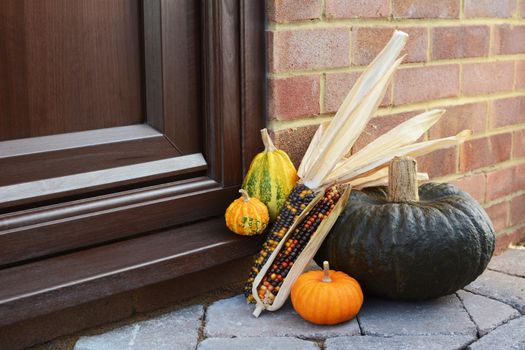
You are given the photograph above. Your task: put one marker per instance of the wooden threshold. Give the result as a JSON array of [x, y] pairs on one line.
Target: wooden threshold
[[56, 283]]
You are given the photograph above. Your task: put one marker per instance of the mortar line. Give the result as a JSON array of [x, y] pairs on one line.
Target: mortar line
[[389, 22], [360, 68], [484, 170], [277, 125]]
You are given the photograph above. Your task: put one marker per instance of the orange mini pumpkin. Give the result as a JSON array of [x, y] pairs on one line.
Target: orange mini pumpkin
[[326, 297], [247, 216]]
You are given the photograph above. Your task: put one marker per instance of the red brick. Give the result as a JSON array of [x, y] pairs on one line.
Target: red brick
[[291, 98], [518, 180], [309, 48], [499, 183], [291, 10], [368, 42], [459, 42], [356, 8], [498, 215], [489, 8], [472, 116], [485, 78], [425, 8], [520, 74], [338, 85], [518, 145], [426, 83], [378, 126], [509, 39], [484, 152], [504, 240], [517, 209], [473, 185], [439, 163], [294, 141], [508, 111]]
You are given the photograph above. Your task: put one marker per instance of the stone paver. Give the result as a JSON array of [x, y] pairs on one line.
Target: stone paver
[[257, 343], [488, 308], [509, 336], [486, 313], [441, 316], [176, 330], [512, 262], [502, 287], [431, 342], [233, 318]]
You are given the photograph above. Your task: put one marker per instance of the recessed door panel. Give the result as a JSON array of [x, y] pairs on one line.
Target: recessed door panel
[[69, 65]]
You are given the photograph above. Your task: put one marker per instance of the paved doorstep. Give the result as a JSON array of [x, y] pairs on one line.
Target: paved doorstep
[[432, 342], [233, 318], [176, 330], [508, 336], [500, 286], [510, 262], [488, 309], [442, 316], [284, 343], [486, 313]]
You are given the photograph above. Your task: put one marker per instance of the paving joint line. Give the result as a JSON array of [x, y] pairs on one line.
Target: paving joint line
[[469, 315], [505, 273], [200, 333], [361, 331], [495, 299]]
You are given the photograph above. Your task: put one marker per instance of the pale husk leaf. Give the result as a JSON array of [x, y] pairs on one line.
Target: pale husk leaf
[[375, 72], [348, 132], [404, 134], [414, 150]]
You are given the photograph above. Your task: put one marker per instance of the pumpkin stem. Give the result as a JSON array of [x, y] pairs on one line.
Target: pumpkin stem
[[268, 144], [326, 272], [245, 195], [402, 180]]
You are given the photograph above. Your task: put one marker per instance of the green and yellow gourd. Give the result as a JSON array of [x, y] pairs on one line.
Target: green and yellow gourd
[[271, 176]]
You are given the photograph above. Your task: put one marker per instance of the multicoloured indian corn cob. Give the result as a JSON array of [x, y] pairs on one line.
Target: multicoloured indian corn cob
[[294, 245], [296, 202]]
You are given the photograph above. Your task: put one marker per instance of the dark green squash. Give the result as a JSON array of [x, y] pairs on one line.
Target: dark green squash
[[411, 249]]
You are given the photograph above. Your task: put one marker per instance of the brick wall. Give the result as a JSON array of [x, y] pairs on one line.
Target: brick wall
[[467, 56]]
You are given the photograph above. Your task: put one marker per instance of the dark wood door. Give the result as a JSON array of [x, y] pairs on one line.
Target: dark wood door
[[120, 117], [84, 88]]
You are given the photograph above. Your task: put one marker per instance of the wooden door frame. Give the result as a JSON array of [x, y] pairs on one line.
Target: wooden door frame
[[234, 111]]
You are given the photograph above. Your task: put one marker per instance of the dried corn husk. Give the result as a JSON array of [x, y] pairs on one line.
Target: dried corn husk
[[303, 259], [379, 178], [325, 163]]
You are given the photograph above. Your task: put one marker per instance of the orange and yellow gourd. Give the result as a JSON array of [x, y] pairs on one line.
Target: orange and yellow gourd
[[246, 216]]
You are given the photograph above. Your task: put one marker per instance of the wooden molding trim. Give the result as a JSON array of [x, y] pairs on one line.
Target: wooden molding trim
[[83, 223]]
